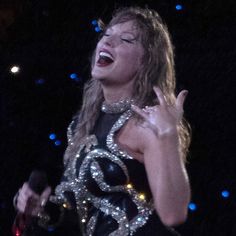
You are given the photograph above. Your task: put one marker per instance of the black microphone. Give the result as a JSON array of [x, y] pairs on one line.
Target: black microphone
[[37, 183]]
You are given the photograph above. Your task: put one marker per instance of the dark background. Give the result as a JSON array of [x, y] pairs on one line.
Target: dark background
[[49, 40]]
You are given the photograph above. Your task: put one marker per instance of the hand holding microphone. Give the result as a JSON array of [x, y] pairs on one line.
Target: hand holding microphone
[[30, 201]]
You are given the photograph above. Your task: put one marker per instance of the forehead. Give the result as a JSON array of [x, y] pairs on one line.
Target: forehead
[[128, 26]]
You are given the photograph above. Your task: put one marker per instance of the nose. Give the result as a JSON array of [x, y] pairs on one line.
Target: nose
[[110, 40]]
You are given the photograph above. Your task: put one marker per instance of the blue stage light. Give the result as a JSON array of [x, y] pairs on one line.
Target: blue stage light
[[73, 76], [225, 193], [97, 29], [58, 143], [51, 229], [192, 206], [179, 7], [40, 81], [52, 136], [94, 22]]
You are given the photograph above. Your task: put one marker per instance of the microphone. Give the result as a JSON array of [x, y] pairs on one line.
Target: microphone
[[37, 183]]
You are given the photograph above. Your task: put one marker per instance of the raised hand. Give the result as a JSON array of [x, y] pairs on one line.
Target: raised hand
[[163, 118]]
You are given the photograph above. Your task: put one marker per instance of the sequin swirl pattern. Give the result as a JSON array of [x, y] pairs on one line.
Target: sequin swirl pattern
[[83, 196]]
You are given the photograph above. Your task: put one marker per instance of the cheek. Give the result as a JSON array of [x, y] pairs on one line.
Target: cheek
[[131, 55], [135, 59]]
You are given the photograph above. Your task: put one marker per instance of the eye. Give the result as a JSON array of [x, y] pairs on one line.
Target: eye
[[126, 40], [106, 34]]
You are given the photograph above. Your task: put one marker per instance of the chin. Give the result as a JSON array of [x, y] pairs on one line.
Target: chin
[[94, 74], [98, 75]]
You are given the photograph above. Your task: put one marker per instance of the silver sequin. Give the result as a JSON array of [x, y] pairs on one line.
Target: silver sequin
[[77, 185]]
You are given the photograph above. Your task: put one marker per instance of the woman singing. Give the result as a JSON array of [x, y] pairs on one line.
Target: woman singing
[[125, 162]]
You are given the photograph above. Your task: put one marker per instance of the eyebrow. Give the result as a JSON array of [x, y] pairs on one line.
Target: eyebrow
[[124, 32]]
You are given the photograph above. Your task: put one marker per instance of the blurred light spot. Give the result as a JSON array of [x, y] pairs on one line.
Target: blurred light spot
[[225, 193], [40, 81], [192, 206], [97, 29], [179, 7], [15, 69], [74, 77], [52, 136], [58, 143], [51, 229], [94, 22], [18, 232]]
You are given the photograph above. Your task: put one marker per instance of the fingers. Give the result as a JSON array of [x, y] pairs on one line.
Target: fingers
[[25, 196], [160, 95], [45, 195], [139, 112], [180, 99], [30, 203]]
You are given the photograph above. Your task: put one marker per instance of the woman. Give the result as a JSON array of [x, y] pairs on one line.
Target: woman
[[124, 165]]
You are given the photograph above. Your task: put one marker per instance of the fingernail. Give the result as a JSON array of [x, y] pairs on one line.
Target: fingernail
[[185, 93]]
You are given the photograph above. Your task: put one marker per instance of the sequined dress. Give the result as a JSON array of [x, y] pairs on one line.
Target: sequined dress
[[110, 188]]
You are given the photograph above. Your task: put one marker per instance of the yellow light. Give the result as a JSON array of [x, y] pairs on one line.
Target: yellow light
[[129, 186], [141, 196], [65, 205]]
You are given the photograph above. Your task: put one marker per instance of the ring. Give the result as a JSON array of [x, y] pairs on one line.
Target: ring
[[149, 109]]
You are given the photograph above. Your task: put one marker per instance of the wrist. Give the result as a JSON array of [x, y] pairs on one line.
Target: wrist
[[170, 132]]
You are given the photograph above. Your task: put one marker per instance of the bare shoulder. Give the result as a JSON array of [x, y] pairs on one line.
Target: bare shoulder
[[130, 139]]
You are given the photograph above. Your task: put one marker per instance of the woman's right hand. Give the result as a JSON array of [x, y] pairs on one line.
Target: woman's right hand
[[30, 203]]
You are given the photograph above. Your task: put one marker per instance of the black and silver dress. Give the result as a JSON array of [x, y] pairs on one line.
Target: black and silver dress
[[109, 188]]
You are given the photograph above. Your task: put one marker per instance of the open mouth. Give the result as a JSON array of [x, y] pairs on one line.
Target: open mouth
[[105, 59]]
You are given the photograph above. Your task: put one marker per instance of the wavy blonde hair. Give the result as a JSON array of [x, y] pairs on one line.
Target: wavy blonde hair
[[157, 69]]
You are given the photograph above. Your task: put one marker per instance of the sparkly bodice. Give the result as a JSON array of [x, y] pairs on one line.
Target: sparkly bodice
[[110, 188]]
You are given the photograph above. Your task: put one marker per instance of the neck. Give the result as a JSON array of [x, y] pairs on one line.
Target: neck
[[114, 94]]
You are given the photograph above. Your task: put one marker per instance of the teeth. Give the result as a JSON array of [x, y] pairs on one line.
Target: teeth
[[105, 54]]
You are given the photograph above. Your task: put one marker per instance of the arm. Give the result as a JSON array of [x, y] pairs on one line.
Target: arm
[[163, 161]]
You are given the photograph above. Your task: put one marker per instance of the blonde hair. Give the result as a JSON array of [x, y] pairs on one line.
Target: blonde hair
[[157, 69]]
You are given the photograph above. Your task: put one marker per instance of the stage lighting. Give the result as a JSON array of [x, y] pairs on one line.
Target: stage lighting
[[15, 69], [51, 229], [94, 22], [192, 206], [225, 193], [39, 81], [179, 7], [58, 143], [97, 29], [52, 136], [75, 77]]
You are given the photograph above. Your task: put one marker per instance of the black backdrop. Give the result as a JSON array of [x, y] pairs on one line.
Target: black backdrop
[[49, 40]]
